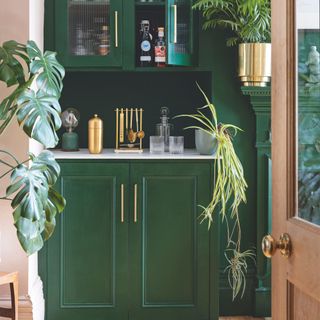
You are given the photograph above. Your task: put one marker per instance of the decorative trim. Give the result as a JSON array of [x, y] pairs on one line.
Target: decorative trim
[[256, 91]]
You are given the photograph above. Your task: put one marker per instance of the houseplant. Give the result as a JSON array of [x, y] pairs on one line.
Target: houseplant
[[37, 80], [229, 192], [250, 24]]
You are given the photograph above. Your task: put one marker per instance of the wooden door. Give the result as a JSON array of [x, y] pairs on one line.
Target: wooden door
[[169, 250], [296, 158], [89, 33], [180, 20], [84, 266]]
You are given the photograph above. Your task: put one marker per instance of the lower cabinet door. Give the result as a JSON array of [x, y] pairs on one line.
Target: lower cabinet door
[[86, 267], [168, 248]]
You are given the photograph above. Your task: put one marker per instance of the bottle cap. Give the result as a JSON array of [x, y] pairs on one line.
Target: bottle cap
[[95, 122]]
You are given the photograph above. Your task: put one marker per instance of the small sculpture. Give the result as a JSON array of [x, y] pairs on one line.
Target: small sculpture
[[313, 64]]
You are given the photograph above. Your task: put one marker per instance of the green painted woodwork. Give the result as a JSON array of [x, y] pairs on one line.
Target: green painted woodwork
[[124, 57], [261, 102], [97, 90], [87, 258], [181, 49], [113, 59], [168, 248], [162, 266]]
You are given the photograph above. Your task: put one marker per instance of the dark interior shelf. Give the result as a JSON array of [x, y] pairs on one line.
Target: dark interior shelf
[[154, 3]]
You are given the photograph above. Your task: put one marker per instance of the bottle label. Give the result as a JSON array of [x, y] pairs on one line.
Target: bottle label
[[145, 45], [160, 54], [145, 58]]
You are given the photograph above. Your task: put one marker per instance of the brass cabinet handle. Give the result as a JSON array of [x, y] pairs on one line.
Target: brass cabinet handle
[[122, 204], [135, 204], [116, 35], [175, 17], [270, 245]]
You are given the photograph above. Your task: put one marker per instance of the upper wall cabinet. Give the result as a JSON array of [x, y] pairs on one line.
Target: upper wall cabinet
[[180, 36], [89, 32], [116, 33]]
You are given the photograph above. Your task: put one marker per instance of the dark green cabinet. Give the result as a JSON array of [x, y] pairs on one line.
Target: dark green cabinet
[[105, 33], [180, 19], [129, 244], [169, 250], [87, 256], [89, 33]]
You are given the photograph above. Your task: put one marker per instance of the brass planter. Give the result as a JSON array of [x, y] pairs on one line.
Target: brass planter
[[255, 64]]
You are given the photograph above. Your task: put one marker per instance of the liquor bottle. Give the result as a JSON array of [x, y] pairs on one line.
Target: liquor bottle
[[145, 45], [160, 49]]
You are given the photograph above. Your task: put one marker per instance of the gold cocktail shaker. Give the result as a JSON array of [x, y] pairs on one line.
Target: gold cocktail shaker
[[95, 135]]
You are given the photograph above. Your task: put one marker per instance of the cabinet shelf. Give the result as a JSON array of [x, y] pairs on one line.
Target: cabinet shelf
[[155, 3]]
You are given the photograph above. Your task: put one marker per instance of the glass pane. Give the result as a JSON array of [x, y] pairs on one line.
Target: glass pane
[[308, 100], [89, 27], [183, 45]]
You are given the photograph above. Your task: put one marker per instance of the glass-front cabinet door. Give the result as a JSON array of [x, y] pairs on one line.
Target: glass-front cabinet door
[[89, 32], [180, 32]]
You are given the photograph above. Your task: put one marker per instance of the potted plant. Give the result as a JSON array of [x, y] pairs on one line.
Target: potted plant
[[37, 78], [229, 192], [250, 23]]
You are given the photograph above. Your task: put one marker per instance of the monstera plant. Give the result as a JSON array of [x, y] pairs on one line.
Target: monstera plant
[[34, 102]]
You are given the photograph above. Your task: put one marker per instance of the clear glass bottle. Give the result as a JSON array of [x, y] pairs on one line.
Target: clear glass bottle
[[145, 44], [164, 128]]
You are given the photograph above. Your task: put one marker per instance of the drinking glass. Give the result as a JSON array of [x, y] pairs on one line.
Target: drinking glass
[[176, 144], [156, 144]]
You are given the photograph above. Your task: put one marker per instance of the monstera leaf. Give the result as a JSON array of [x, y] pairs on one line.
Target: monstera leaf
[[39, 113], [11, 70], [35, 203], [50, 72]]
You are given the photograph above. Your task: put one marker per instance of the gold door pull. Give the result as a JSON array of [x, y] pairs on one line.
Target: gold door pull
[[116, 31], [122, 204], [175, 28], [270, 246], [135, 204]]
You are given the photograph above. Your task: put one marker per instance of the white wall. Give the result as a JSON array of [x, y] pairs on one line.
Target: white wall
[[14, 24], [21, 21]]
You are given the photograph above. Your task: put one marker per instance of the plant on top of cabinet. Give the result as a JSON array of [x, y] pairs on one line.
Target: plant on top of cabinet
[[229, 185], [250, 22], [34, 102]]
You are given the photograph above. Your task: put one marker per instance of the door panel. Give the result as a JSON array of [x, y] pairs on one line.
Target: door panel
[[88, 33], [169, 250], [87, 257], [180, 32], [295, 157]]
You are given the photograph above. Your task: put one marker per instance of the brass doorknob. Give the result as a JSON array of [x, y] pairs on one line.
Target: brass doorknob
[[270, 246]]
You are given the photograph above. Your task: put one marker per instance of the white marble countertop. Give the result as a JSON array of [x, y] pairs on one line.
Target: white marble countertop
[[189, 154]]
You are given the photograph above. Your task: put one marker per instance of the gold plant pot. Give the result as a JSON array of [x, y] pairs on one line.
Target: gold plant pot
[[255, 64]]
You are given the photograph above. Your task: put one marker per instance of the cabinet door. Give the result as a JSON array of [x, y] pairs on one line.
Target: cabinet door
[[87, 255], [89, 32], [180, 32], [168, 248]]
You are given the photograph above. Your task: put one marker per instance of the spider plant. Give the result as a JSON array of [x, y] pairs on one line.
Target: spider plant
[[34, 102], [249, 20], [229, 191]]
